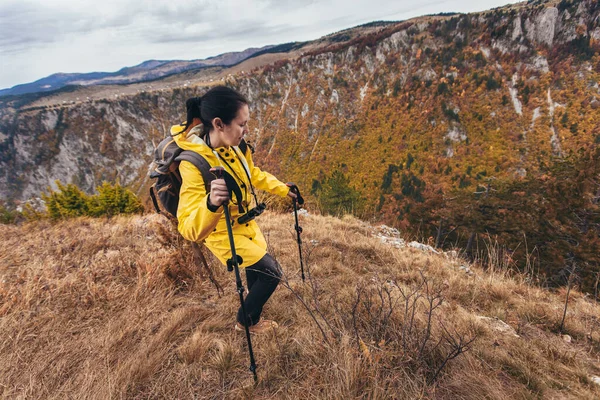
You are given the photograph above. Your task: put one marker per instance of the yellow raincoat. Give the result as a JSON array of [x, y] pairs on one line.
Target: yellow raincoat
[[197, 223]]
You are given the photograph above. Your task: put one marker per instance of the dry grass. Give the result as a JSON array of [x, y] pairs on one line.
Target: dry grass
[[117, 308]]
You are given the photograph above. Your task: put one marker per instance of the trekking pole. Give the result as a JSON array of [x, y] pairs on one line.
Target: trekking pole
[[233, 264], [295, 201]]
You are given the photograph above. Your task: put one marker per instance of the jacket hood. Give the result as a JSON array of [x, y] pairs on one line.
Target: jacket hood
[[191, 141]]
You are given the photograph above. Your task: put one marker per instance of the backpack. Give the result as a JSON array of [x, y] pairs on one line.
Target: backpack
[[167, 157]]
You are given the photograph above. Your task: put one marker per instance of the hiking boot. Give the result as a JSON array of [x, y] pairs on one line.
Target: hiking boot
[[263, 326]]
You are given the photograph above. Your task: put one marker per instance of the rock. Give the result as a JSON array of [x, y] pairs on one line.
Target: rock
[[498, 325], [466, 269], [391, 236], [542, 30], [545, 26], [335, 98], [514, 93], [456, 134], [303, 212], [517, 30], [595, 379], [389, 231], [396, 242], [423, 247], [305, 110], [426, 74], [567, 338], [540, 63]]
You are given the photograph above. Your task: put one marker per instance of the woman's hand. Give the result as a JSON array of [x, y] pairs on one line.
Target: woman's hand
[[292, 194], [218, 193]]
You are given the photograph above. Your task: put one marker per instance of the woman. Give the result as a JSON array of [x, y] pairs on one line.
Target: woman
[[216, 124]]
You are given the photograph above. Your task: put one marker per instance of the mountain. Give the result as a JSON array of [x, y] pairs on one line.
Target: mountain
[[456, 127], [146, 71], [119, 308]]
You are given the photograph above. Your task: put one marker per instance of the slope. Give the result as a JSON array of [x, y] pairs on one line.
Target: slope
[[97, 308]]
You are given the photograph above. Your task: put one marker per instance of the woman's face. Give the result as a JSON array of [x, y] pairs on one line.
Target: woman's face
[[232, 133]]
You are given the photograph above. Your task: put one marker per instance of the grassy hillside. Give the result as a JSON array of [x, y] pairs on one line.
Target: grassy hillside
[[118, 308], [453, 126]]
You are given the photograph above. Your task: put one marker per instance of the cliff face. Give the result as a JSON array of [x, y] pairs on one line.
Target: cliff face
[[509, 88], [497, 93], [84, 144]]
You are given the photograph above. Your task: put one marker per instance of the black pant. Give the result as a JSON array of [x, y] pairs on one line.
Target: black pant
[[262, 277]]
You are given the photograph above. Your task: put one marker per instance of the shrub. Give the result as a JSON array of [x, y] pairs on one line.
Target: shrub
[[69, 201], [388, 177], [492, 83], [443, 88], [112, 200], [7, 216]]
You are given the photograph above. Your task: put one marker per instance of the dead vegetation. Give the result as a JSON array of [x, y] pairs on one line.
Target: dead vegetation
[[118, 308]]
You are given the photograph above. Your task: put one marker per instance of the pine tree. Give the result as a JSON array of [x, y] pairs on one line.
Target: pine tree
[[337, 197], [69, 201], [112, 200]]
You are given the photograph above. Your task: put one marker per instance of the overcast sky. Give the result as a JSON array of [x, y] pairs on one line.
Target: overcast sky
[[42, 37]]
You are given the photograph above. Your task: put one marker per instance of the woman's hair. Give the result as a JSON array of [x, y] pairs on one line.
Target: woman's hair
[[219, 102]]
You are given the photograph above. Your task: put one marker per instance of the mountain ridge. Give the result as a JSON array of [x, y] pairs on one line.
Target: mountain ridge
[[145, 71]]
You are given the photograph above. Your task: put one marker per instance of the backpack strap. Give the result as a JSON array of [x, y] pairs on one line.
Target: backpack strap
[[204, 167], [244, 146], [154, 201], [199, 162]]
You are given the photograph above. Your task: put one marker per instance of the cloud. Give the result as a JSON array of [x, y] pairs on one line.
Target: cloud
[[20, 25], [41, 37], [224, 20], [27, 24]]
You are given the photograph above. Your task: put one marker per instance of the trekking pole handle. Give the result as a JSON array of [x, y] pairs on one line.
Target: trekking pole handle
[[294, 189], [217, 172]]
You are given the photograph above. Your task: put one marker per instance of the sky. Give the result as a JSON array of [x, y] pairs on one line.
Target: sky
[[42, 37]]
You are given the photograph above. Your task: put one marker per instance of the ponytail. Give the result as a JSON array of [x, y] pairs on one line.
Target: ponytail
[[192, 106], [219, 102]]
